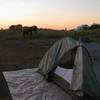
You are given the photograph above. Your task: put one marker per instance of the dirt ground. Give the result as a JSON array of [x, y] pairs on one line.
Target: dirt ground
[[26, 53]]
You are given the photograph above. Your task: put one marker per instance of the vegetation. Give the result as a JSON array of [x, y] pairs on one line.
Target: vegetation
[[26, 52], [92, 33]]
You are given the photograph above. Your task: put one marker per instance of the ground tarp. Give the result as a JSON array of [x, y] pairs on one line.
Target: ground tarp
[[27, 84]]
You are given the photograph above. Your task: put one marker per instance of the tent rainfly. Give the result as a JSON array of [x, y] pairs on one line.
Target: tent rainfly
[[71, 54]]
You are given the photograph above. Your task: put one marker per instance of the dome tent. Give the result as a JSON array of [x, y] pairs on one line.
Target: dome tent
[[72, 54]]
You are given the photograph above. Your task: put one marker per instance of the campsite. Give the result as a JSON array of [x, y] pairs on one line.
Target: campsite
[[18, 53], [49, 50]]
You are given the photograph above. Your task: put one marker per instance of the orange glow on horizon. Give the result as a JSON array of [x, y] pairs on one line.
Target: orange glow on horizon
[[55, 14], [45, 23], [42, 24]]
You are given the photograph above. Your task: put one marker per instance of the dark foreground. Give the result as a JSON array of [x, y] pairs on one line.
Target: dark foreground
[[15, 54]]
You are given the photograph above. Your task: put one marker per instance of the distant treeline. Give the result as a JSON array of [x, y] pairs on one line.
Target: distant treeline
[[87, 27], [81, 27]]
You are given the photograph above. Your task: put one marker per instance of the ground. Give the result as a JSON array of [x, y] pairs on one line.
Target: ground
[[23, 53]]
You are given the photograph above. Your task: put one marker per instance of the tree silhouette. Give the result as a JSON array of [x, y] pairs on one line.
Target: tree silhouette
[[95, 26]]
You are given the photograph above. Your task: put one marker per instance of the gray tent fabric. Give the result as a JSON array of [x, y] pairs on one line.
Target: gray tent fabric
[[77, 79], [84, 77], [4, 90], [55, 53], [90, 83]]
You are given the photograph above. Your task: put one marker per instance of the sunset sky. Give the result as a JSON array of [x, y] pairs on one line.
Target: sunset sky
[[56, 14]]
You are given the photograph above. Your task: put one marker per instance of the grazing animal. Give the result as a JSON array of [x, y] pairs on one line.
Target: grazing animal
[[27, 31]]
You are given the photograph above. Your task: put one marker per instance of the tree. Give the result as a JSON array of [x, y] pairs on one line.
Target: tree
[[95, 26], [85, 27], [82, 27]]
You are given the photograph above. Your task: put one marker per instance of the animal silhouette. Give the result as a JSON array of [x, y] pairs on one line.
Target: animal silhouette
[[27, 31]]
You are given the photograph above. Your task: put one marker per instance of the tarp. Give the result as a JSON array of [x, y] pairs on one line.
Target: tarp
[[27, 84]]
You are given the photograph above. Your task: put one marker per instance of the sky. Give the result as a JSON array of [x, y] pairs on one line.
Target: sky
[[56, 14]]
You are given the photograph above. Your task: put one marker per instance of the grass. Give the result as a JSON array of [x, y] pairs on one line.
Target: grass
[[19, 51], [22, 53], [42, 33], [91, 34], [16, 51], [48, 33]]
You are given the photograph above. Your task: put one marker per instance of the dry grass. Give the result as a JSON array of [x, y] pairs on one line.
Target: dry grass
[[18, 52], [22, 53]]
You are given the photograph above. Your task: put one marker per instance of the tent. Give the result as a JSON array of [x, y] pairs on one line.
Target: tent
[[71, 54], [4, 90]]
